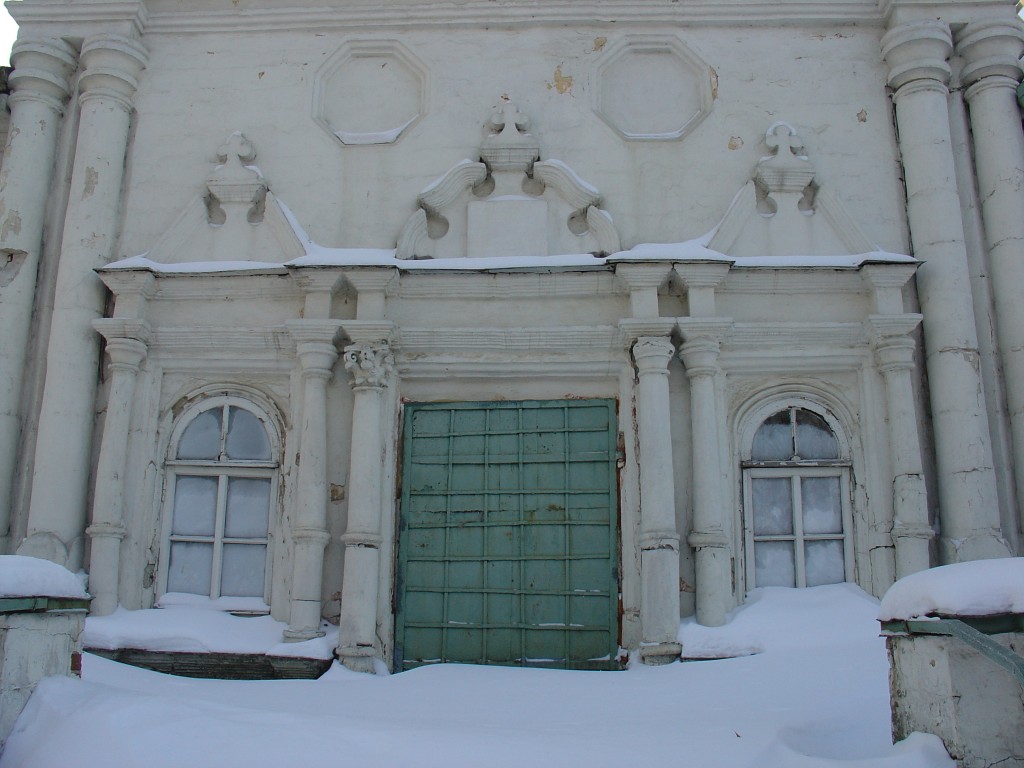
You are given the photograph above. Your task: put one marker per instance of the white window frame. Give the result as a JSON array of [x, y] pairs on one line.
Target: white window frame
[[223, 469], [794, 471]]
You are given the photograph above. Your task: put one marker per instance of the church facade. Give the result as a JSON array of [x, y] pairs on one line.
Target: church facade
[[507, 332]]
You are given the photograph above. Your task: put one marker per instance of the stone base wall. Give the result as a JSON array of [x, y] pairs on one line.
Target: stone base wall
[[34, 646], [940, 685]]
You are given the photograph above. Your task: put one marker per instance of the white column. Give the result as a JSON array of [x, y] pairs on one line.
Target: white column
[[659, 537], [317, 355], [39, 89], [370, 364], [969, 507], [991, 72], [894, 355], [709, 537], [60, 480], [126, 346]]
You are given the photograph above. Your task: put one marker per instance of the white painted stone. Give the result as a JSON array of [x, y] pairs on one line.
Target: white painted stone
[[443, 195]]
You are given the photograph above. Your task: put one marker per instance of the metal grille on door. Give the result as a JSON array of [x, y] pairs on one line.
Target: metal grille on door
[[508, 550]]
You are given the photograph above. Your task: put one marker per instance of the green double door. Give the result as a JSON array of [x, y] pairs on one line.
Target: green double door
[[508, 549]]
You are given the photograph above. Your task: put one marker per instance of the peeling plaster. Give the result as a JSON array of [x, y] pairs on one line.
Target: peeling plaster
[[92, 178], [11, 225], [562, 83]]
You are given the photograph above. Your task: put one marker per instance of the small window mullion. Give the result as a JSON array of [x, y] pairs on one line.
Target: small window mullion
[[218, 535], [798, 531]]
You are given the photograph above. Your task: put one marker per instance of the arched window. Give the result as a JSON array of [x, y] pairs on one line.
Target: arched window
[[796, 493], [222, 478]]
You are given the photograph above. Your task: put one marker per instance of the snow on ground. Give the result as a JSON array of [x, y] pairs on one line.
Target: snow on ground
[[22, 576], [815, 696], [976, 588]]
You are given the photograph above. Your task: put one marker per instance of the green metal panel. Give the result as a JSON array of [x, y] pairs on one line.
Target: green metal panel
[[508, 549]]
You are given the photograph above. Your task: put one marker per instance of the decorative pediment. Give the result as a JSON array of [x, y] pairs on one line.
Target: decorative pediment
[[235, 217], [508, 203], [783, 212]]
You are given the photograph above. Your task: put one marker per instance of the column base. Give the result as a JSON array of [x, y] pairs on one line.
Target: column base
[[45, 546], [980, 545], [358, 658], [301, 635], [657, 654]]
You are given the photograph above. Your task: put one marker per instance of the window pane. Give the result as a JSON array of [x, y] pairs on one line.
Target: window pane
[[823, 512], [247, 437], [201, 439], [195, 506], [774, 564], [190, 568], [814, 438], [248, 508], [242, 570], [824, 562], [773, 506], [773, 440]]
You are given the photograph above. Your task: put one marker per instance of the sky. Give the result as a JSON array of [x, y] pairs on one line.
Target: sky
[[8, 31]]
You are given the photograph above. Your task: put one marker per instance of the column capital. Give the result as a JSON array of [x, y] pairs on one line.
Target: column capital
[[990, 50], [652, 354], [316, 345], [918, 51], [42, 68], [890, 337], [370, 364], [112, 64], [127, 342]]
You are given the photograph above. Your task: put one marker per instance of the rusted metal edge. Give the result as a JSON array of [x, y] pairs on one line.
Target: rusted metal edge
[[37, 604], [963, 631]]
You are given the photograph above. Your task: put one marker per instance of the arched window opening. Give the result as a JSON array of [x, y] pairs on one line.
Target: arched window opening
[[221, 481], [797, 503]]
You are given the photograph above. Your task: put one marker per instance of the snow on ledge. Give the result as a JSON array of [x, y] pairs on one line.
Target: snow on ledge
[[692, 251], [976, 588], [22, 576], [191, 629]]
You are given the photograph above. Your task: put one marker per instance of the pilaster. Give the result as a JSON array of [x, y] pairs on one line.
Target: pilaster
[[643, 281], [894, 349], [316, 354], [127, 348], [917, 54], [659, 537], [709, 537], [371, 365], [991, 72], [58, 504], [39, 89]]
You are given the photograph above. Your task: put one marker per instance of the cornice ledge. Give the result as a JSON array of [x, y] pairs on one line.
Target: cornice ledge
[[788, 334], [555, 12], [632, 328], [369, 331], [535, 340], [132, 12]]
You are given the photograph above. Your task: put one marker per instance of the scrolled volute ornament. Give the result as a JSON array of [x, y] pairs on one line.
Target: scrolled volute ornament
[[369, 364]]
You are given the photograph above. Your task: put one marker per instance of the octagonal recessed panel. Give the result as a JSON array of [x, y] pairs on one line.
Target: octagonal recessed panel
[[370, 92], [652, 89]]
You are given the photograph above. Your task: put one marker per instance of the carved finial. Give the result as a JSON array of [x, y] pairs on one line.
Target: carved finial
[[235, 182], [509, 147], [783, 139], [507, 118], [236, 146], [785, 170]]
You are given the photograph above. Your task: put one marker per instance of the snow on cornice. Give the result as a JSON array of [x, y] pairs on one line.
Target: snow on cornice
[[317, 255]]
